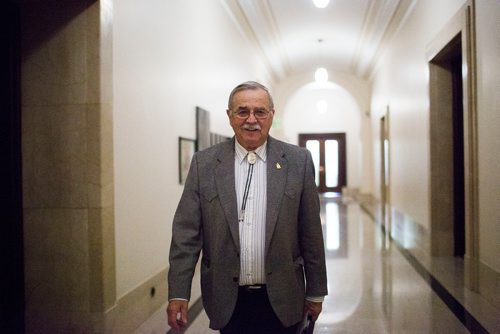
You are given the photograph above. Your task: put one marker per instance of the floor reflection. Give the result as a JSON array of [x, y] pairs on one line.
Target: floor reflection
[[333, 216], [372, 288]]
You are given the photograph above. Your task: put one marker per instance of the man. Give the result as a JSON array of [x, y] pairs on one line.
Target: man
[[251, 207]]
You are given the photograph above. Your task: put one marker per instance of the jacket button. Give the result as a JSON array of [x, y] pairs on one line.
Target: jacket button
[[235, 279]]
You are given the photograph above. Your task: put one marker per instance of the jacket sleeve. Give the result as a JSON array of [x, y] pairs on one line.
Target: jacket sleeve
[[186, 237]]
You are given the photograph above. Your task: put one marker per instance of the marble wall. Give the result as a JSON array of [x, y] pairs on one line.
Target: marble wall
[[67, 166]]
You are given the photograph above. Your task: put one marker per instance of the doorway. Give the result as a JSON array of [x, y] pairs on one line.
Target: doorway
[[447, 150], [454, 202], [328, 152], [385, 174]]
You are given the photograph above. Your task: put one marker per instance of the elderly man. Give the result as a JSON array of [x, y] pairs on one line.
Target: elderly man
[[250, 205]]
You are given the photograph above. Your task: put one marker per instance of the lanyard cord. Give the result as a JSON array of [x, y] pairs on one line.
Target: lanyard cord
[[245, 193]]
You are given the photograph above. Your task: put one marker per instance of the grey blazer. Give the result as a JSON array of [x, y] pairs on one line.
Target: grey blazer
[[206, 220]]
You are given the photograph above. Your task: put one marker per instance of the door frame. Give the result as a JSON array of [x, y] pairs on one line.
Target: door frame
[[461, 24], [341, 138], [385, 173]]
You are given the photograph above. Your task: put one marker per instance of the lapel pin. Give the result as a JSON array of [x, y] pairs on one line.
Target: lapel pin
[[278, 166]]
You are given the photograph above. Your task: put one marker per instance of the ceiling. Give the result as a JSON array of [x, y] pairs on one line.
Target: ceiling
[[295, 36]]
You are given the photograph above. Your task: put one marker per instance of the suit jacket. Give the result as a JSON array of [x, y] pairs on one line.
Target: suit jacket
[[206, 220]]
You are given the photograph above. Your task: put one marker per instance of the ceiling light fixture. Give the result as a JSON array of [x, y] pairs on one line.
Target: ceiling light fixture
[[321, 3], [321, 74]]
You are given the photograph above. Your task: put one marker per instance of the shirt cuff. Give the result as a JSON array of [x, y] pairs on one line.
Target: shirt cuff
[[316, 299], [178, 299]]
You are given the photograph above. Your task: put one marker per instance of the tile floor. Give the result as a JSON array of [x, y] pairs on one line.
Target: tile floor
[[373, 288]]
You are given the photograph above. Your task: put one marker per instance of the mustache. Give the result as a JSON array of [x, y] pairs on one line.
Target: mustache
[[251, 127]]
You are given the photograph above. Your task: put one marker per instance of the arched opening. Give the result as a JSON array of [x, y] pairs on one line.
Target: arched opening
[[313, 108]]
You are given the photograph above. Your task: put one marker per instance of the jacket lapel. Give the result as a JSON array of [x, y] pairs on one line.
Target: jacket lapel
[[277, 171], [224, 181]]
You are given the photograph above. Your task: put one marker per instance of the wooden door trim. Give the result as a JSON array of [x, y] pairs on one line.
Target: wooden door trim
[[463, 23]]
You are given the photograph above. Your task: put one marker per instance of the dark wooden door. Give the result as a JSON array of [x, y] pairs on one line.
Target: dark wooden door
[[329, 156]]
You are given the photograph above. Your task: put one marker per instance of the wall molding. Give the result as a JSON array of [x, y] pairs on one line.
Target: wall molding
[[135, 307]]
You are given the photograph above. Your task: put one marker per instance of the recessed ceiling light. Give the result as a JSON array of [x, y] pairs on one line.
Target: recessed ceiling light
[[321, 3]]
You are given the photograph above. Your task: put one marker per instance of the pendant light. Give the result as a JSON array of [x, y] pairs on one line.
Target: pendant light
[[321, 74]]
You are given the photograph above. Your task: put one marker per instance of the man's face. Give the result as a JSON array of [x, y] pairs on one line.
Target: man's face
[[251, 132]]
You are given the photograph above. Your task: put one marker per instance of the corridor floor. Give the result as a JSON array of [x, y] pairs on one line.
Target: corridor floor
[[373, 287]]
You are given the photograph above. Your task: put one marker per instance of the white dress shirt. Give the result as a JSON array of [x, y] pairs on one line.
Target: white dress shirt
[[252, 228]]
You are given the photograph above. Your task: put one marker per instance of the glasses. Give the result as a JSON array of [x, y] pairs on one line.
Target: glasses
[[244, 113]]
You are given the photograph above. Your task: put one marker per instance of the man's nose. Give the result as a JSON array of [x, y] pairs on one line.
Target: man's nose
[[251, 118]]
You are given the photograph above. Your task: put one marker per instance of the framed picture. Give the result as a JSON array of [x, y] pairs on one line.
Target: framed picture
[[187, 147], [216, 138], [202, 128]]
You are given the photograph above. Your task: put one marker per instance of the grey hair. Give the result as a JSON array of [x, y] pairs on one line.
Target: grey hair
[[253, 85]]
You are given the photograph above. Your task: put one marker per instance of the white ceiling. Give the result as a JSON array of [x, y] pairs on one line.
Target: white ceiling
[[353, 32]]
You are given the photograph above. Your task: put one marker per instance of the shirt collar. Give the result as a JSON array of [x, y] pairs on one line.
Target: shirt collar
[[241, 152]]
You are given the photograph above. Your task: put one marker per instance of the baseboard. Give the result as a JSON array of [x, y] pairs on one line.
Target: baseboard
[[489, 281], [138, 305]]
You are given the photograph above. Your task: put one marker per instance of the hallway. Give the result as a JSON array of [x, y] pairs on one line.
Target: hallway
[[108, 100], [373, 286]]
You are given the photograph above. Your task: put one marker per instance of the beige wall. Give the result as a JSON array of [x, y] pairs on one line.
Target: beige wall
[[488, 68], [169, 57], [401, 83], [67, 166]]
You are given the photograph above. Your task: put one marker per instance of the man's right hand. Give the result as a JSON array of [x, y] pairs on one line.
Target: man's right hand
[[177, 311]]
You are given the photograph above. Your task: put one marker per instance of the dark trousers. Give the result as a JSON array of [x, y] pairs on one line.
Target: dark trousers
[[253, 314]]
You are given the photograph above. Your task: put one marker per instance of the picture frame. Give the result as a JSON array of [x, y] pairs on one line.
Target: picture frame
[[187, 148], [216, 138], [202, 129]]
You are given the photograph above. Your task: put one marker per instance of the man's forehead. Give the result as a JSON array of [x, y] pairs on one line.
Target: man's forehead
[[245, 106], [251, 91], [250, 97]]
